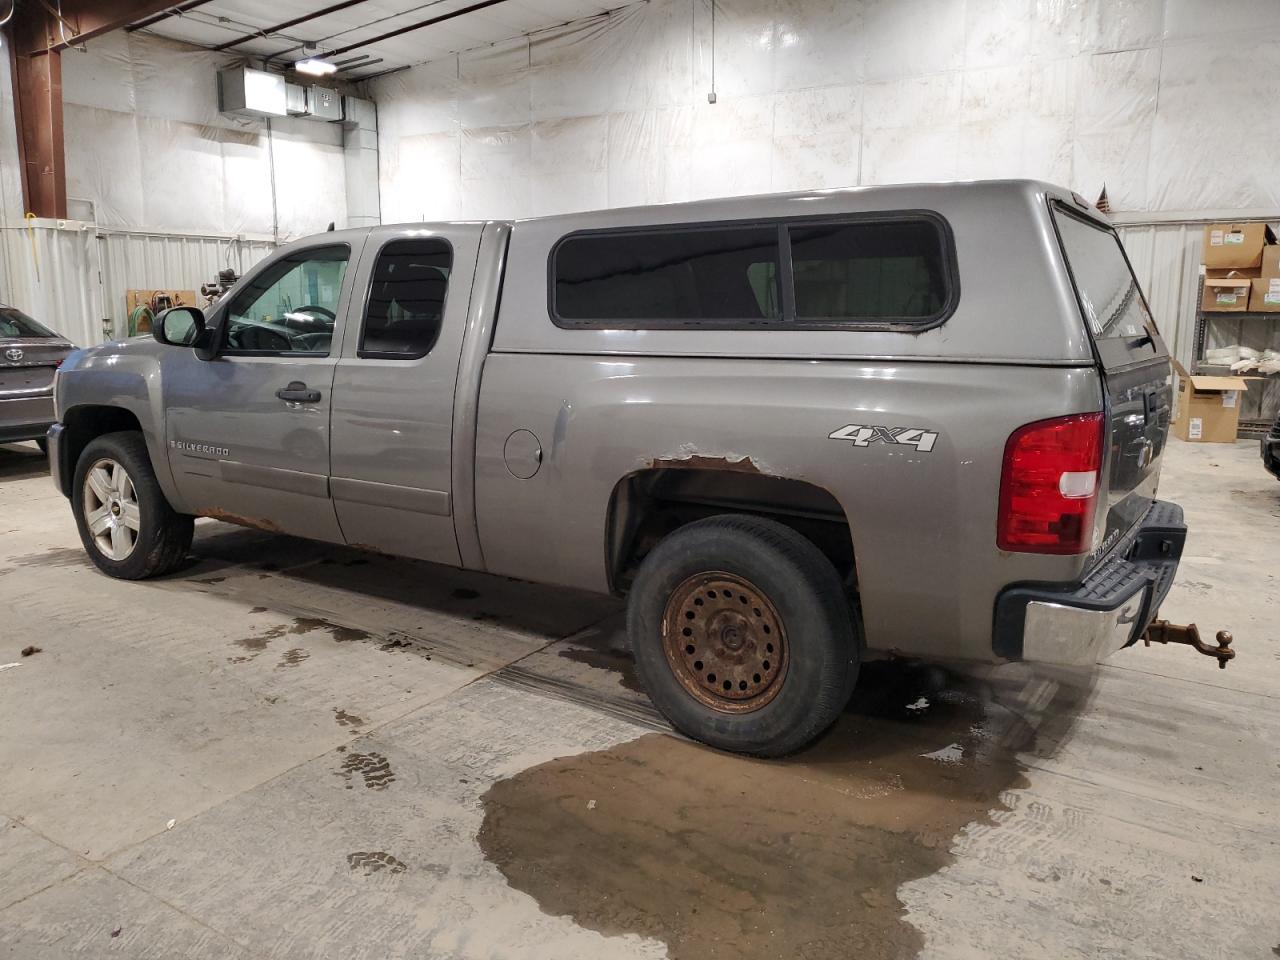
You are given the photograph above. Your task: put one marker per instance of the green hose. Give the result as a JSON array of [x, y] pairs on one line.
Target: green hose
[[137, 317]]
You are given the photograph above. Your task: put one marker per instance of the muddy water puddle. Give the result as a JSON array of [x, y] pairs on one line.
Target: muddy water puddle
[[615, 660], [719, 856]]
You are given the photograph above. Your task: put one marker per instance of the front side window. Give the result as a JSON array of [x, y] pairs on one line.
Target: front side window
[[868, 271], [405, 311], [673, 275], [290, 307]]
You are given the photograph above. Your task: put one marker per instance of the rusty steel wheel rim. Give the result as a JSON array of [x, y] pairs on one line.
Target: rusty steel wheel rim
[[725, 642]]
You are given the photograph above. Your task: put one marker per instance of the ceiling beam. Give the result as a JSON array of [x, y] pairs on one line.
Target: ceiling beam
[[359, 66], [37, 114], [40, 33], [81, 21], [276, 28], [177, 11], [401, 31]]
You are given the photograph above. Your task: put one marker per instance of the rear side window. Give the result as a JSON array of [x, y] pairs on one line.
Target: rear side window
[[406, 299], [827, 273], [868, 271], [1113, 307], [717, 274]]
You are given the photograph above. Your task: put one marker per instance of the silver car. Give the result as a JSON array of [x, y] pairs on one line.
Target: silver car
[[29, 354]]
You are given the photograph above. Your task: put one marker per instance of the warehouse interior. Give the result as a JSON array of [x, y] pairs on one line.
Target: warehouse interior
[[294, 748]]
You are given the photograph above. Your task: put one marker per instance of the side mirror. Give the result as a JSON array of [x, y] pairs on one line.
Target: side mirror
[[178, 326]]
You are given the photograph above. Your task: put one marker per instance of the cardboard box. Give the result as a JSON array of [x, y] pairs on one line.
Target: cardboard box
[[1208, 407], [1235, 273], [1225, 295], [1270, 261], [1229, 245], [1264, 295]]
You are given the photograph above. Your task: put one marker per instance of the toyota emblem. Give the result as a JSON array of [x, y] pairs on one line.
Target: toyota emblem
[[14, 354]]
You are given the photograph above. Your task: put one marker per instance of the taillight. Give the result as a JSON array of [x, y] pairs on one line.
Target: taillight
[[1049, 485]]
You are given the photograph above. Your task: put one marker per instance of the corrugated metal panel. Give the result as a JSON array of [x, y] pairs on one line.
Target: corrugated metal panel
[[51, 270], [152, 261], [1166, 257], [74, 278]]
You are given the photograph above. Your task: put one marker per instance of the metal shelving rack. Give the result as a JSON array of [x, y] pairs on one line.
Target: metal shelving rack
[[1267, 391]]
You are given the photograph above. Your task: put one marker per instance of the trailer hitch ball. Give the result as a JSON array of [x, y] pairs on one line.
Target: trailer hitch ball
[[1162, 631]]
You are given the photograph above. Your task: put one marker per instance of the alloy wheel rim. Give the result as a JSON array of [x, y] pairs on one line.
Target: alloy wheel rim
[[111, 510], [725, 642]]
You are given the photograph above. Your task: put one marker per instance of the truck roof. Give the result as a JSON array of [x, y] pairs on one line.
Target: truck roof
[[854, 199]]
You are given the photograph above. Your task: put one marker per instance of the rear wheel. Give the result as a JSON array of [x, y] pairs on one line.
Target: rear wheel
[[125, 523], [742, 635]]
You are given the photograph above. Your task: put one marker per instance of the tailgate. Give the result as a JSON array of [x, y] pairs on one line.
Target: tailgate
[[1136, 372]]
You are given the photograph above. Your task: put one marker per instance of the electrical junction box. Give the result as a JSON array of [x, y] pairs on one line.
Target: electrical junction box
[[252, 93], [323, 103]]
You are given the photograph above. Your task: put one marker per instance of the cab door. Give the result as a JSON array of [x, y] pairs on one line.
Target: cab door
[[248, 431], [393, 392]]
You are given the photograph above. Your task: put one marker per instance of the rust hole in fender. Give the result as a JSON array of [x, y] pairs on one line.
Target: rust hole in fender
[[699, 462], [719, 856]]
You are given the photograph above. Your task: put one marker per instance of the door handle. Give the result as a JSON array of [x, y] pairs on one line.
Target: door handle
[[298, 392]]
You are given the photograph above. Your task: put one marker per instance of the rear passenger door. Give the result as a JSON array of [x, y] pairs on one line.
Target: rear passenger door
[[393, 393]]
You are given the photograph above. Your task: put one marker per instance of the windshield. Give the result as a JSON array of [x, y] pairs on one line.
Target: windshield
[[15, 323], [1110, 300]]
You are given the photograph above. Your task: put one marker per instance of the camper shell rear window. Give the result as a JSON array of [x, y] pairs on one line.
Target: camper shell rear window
[[1111, 302]]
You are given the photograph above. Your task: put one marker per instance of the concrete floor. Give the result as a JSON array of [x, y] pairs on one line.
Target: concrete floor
[[292, 750]]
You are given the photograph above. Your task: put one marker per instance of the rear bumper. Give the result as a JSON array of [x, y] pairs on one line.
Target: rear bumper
[[1078, 624], [1271, 452], [25, 417]]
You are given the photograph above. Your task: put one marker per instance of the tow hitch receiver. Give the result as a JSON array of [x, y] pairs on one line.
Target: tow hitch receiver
[[1162, 631]]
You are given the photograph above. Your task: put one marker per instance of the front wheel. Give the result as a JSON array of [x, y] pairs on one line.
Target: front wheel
[[742, 635], [125, 523]]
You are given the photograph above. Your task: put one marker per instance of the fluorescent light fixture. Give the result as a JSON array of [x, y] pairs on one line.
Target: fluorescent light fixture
[[314, 67]]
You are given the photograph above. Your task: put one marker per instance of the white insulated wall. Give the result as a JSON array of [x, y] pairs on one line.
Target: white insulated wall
[[178, 191], [146, 144], [1169, 103]]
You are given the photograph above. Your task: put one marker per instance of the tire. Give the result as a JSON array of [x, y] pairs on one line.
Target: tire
[[129, 508], [717, 595]]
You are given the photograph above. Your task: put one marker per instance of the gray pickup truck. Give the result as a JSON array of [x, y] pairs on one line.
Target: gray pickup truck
[[795, 431]]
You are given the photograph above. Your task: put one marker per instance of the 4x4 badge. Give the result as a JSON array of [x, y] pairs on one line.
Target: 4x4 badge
[[860, 436]]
